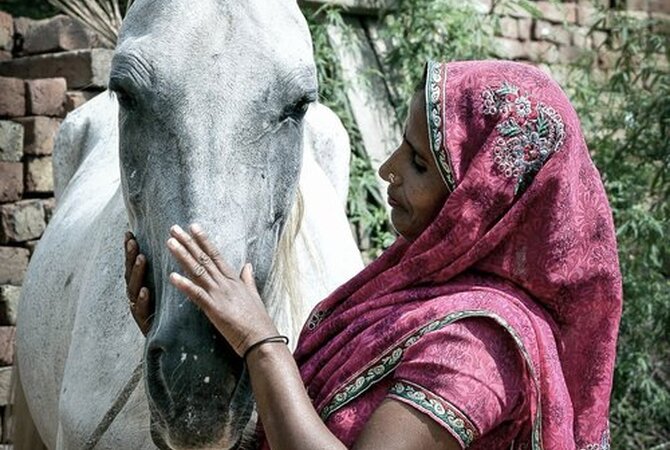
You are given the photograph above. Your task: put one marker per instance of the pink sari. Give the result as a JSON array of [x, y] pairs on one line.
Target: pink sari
[[524, 247]]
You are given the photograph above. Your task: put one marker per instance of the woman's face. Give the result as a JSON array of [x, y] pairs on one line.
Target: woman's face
[[416, 190]]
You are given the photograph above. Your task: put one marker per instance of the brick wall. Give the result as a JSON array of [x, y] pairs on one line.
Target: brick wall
[[47, 68], [563, 35]]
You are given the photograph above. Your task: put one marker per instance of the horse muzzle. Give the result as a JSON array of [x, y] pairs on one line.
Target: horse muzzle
[[198, 390]]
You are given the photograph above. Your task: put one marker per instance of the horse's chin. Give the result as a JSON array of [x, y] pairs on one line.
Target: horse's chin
[[183, 432], [228, 438]]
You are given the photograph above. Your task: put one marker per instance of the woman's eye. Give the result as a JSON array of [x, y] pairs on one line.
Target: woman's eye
[[418, 163]]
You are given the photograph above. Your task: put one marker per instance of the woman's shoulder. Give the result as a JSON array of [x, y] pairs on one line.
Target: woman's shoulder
[[472, 370]]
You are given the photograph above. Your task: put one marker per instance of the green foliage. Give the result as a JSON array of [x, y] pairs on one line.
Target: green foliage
[[419, 30], [365, 207], [626, 120]]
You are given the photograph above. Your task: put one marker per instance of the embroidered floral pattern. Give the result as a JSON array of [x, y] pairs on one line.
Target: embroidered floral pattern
[[440, 408], [530, 132], [604, 443], [434, 115], [390, 360]]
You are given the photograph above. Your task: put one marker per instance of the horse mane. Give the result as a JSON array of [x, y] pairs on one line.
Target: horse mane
[[284, 299]]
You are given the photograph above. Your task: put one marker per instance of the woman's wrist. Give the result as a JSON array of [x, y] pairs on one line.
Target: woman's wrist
[[277, 339]]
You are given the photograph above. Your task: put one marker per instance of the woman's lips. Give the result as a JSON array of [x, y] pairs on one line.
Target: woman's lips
[[392, 201]]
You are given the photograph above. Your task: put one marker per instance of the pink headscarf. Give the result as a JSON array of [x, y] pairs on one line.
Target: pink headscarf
[[525, 238]]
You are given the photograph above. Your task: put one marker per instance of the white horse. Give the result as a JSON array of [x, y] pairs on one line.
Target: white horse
[[210, 129]]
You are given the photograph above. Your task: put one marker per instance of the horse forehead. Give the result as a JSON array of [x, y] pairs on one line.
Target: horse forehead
[[181, 26]]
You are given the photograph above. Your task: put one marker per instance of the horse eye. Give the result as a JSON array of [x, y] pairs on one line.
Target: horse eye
[[297, 110], [126, 101]]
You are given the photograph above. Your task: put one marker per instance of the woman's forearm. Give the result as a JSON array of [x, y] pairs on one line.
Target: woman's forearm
[[289, 419]]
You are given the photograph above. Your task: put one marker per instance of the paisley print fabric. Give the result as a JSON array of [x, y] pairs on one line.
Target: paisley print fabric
[[524, 245]]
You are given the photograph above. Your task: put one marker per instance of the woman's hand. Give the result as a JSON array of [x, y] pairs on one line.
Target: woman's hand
[[231, 302], [139, 300]]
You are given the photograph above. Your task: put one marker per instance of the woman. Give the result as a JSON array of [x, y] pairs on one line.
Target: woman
[[490, 323]]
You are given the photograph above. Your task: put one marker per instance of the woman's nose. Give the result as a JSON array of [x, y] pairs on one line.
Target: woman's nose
[[386, 169]]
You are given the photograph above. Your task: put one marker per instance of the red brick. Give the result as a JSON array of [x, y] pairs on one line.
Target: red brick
[[31, 246], [13, 265], [21, 221], [7, 342], [519, 12], [46, 97], [545, 31], [6, 31], [39, 177], [607, 59], [659, 6], [81, 68], [11, 181], [525, 25], [543, 52], [11, 141], [54, 34], [510, 49], [557, 12], [13, 98], [599, 38], [49, 205], [5, 385], [9, 304], [582, 38], [39, 134], [636, 5], [509, 27], [661, 24], [570, 54], [587, 15], [77, 98]]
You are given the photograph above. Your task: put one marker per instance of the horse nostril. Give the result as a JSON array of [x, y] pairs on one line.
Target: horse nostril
[[157, 387], [154, 354]]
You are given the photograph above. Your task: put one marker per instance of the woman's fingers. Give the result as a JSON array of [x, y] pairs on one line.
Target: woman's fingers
[[136, 277], [195, 293], [200, 237], [139, 298], [196, 271], [198, 254], [143, 310], [131, 250], [247, 276]]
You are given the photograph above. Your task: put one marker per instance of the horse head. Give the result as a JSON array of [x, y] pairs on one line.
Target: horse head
[[212, 98]]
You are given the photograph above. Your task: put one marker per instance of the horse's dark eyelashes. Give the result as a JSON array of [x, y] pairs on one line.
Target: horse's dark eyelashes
[[297, 110], [123, 96]]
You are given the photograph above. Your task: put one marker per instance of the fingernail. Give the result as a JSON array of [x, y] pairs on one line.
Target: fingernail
[[137, 261], [251, 267], [195, 227], [129, 245], [143, 293]]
